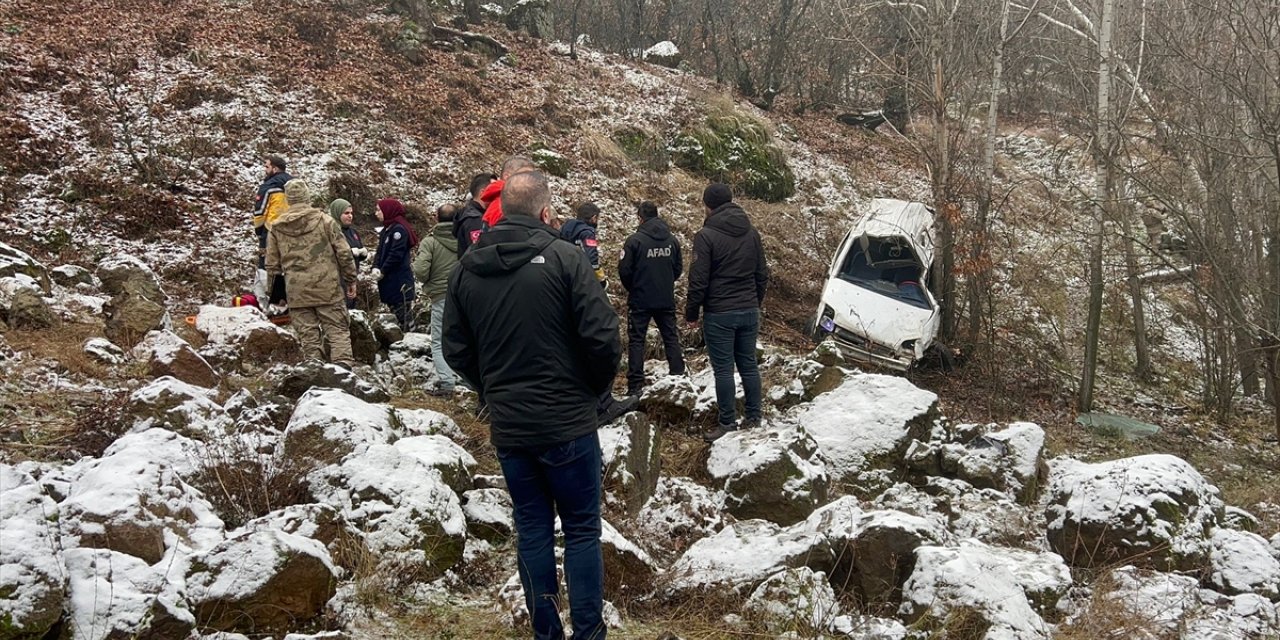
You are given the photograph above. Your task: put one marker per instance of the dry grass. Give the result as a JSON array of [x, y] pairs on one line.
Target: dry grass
[[475, 432], [601, 152], [1109, 617], [243, 484], [64, 346]]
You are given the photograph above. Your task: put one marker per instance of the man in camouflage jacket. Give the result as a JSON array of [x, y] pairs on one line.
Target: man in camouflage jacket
[[306, 246]]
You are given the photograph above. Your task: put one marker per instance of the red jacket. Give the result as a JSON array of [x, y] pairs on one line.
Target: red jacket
[[492, 197]]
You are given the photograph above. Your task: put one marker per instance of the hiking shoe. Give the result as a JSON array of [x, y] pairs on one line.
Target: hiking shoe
[[617, 408], [635, 391], [750, 423], [441, 392], [718, 432]]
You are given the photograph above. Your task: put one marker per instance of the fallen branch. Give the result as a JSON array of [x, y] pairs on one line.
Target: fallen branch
[[470, 37]]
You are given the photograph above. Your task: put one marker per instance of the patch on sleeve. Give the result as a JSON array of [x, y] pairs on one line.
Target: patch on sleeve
[[591, 242], [396, 236], [623, 255], [475, 235], [538, 260]]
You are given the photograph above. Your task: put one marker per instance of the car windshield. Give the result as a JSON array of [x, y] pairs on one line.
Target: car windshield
[[888, 267]]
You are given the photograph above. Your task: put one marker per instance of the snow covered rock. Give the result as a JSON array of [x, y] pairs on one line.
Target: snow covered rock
[[320, 522], [628, 570], [104, 351], [802, 380], [328, 424], [445, 456], [70, 275], [1176, 606], [172, 404], [167, 354], [264, 580], [632, 457], [680, 513], [860, 627], [1242, 562], [967, 512], [774, 472], [115, 595], [184, 456], [1153, 510], [425, 422], [551, 162], [1009, 460], [291, 381], [31, 574], [744, 554], [364, 344], [14, 261], [134, 503], [865, 425], [794, 599], [23, 306], [489, 514], [665, 54], [874, 550], [412, 520], [670, 399], [534, 17], [1239, 519], [388, 332], [241, 338], [980, 581], [137, 303]]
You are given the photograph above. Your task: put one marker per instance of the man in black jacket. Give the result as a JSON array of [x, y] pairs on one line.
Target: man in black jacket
[[527, 324], [649, 267], [469, 223], [727, 280]]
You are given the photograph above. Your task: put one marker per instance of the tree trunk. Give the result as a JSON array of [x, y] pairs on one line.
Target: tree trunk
[[1141, 355], [1103, 187]]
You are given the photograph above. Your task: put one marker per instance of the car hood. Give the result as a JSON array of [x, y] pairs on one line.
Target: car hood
[[879, 318]]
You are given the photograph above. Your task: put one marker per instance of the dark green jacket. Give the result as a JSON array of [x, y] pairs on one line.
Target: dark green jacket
[[436, 257]]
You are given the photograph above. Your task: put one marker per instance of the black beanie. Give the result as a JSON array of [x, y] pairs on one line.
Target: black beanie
[[716, 194]]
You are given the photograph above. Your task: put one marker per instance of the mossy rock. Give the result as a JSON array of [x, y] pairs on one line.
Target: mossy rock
[[738, 151], [551, 162], [643, 148]]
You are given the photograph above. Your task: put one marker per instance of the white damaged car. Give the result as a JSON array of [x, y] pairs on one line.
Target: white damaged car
[[876, 304]]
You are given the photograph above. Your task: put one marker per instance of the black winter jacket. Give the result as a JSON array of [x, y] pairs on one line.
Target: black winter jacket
[[526, 323], [468, 225], [649, 267], [584, 236], [728, 272]]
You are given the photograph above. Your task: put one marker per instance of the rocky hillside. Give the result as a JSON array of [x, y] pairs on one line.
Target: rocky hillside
[[169, 470]]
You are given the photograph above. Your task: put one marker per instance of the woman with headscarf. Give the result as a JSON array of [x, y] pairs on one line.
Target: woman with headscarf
[[392, 265], [342, 211]]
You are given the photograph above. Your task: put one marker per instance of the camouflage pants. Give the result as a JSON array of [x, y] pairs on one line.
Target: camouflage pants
[[314, 325]]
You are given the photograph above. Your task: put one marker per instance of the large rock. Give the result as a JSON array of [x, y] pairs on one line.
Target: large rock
[[629, 572], [387, 330], [875, 550], [534, 17], [632, 458], [1155, 510], [291, 381], [104, 351], [364, 344], [798, 599], [489, 514], [132, 502], [320, 522], [412, 520], [172, 404], [986, 515], [452, 462], [865, 426], [328, 424], [258, 581], [1175, 606], [113, 595], [22, 304], [744, 554], [664, 54], [167, 354], [241, 338], [773, 472], [680, 513], [977, 580], [425, 422], [137, 303], [670, 400], [801, 380], [1242, 562], [1009, 460], [14, 261], [31, 575], [71, 276]]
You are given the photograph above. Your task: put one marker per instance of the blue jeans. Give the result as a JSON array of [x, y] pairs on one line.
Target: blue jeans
[[447, 377], [544, 481], [731, 339]]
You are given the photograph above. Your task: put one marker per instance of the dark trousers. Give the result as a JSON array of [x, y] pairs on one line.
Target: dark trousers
[[544, 481], [731, 339], [404, 315], [637, 330]]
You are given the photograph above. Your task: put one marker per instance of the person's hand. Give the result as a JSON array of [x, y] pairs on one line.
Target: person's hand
[[377, 273], [692, 324], [351, 291]]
